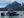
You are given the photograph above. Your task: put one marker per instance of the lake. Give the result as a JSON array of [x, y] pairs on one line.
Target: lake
[[11, 17], [19, 16]]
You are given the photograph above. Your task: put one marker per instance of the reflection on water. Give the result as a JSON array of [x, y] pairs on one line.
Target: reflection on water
[[4, 16], [11, 17]]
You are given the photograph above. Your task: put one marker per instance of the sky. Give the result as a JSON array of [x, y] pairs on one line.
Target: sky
[[4, 3]]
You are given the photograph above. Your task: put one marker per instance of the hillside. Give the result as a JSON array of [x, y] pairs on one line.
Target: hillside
[[16, 6]]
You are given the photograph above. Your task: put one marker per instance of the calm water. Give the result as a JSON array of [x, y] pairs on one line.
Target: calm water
[[13, 16]]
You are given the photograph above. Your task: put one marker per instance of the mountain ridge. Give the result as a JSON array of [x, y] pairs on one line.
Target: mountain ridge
[[14, 4]]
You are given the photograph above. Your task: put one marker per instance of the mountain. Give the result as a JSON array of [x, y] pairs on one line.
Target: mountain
[[14, 4]]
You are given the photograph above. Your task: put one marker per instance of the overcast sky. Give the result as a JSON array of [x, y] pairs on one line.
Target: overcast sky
[[3, 3]]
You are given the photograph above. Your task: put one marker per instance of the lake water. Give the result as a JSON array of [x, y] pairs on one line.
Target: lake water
[[19, 12], [11, 17]]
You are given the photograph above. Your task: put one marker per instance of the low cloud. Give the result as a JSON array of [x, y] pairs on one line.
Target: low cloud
[[2, 6], [11, 0], [8, 0]]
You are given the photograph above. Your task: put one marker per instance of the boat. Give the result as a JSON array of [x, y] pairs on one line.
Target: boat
[[11, 12]]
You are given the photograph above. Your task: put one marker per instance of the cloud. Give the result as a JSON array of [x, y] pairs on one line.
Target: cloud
[[8, 0], [2, 6], [4, 1], [11, 0]]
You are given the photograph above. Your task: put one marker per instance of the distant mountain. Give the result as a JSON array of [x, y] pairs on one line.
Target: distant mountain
[[14, 4]]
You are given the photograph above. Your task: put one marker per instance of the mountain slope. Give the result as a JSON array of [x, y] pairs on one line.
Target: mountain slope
[[14, 4]]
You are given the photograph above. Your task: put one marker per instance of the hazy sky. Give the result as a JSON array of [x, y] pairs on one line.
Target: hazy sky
[[3, 3]]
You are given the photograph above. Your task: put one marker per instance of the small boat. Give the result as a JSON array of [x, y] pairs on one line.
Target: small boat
[[12, 14]]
